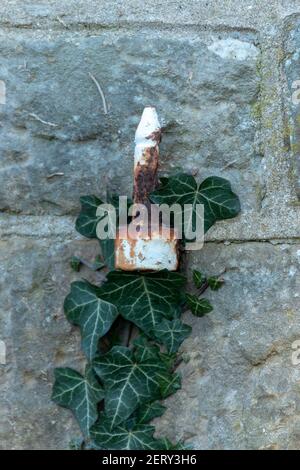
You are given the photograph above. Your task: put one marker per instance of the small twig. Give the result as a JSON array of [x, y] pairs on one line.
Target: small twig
[[61, 21], [54, 174], [228, 165], [35, 116], [100, 91]]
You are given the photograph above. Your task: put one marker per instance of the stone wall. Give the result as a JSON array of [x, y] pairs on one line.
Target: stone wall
[[222, 75]]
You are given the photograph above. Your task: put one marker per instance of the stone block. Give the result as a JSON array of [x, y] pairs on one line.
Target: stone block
[[57, 143]]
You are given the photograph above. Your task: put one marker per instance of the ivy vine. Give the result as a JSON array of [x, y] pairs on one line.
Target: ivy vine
[[131, 329]]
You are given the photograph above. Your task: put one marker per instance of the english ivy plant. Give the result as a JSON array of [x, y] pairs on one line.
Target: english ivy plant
[[128, 375]]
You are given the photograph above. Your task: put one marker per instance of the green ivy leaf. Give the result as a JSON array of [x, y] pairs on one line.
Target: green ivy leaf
[[76, 444], [108, 252], [79, 394], [214, 193], [215, 283], [134, 379], [75, 264], [171, 333], [144, 299], [198, 307], [86, 223], [169, 359], [169, 384], [198, 278], [165, 444], [84, 308], [131, 378], [149, 411], [123, 437], [143, 349]]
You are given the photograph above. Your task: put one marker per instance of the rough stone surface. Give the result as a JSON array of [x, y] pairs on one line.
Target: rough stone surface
[[220, 74], [83, 13], [241, 390], [34, 278], [204, 91], [292, 70]]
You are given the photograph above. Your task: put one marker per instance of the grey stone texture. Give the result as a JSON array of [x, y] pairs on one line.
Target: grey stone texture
[[35, 277], [204, 90], [220, 74], [292, 71], [240, 387]]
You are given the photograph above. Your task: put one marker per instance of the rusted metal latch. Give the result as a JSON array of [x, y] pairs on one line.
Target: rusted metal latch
[[154, 247]]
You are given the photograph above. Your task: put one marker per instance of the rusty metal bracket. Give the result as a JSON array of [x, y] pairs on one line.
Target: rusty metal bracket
[[159, 248]]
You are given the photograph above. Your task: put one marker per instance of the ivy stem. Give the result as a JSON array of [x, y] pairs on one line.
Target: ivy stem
[[203, 288], [124, 332], [130, 331]]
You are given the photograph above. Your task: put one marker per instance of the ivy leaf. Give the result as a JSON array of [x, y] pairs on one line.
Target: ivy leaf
[[79, 394], [169, 359], [149, 411], [198, 278], [86, 223], [214, 193], [84, 308], [143, 349], [123, 437], [144, 299], [165, 444], [98, 265], [75, 264], [215, 283], [76, 444], [172, 333], [169, 384], [198, 307], [131, 379], [108, 252]]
